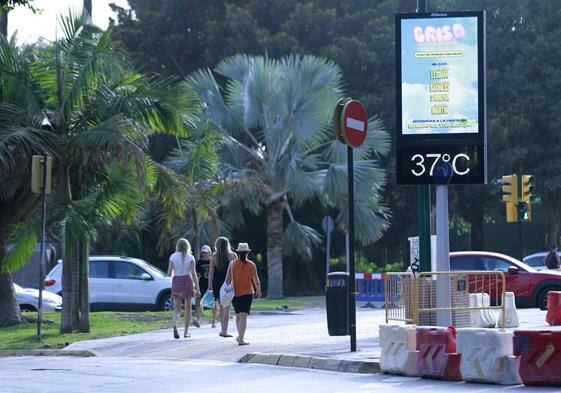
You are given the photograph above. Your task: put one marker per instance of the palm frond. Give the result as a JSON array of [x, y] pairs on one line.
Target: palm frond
[[23, 238], [300, 240]]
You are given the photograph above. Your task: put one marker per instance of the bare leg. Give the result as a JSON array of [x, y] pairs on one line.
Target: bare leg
[[187, 316], [214, 310], [199, 309], [175, 315], [241, 322], [224, 316]]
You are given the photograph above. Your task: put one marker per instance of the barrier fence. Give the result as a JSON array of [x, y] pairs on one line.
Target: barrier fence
[[369, 287], [412, 299]]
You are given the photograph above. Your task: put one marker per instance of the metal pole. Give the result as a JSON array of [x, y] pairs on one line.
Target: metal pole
[[327, 254], [443, 318], [352, 289], [424, 204], [42, 252]]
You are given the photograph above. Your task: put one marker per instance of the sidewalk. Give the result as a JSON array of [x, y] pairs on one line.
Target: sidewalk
[[272, 336]]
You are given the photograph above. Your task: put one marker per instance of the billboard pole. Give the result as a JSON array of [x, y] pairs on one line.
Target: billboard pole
[[424, 204]]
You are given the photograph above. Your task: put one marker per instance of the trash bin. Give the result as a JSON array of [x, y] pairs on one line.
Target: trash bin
[[337, 303]]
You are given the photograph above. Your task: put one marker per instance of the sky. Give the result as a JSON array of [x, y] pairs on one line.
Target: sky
[[31, 26]]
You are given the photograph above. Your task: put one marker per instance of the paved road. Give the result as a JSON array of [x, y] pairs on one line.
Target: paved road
[[302, 332], [121, 374]]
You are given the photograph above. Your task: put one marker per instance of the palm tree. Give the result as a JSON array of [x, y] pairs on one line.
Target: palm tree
[[280, 151], [96, 110], [20, 137], [196, 160]]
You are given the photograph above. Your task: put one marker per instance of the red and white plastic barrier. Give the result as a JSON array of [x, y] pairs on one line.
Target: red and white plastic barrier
[[539, 352], [487, 356], [553, 317], [399, 355], [437, 357]]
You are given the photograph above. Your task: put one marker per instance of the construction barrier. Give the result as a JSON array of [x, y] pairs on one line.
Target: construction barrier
[[487, 356], [553, 316], [511, 315], [412, 299], [481, 317], [437, 357], [399, 354], [540, 356], [369, 287]]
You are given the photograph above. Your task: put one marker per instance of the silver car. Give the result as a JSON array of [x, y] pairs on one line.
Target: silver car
[[536, 260], [28, 299]]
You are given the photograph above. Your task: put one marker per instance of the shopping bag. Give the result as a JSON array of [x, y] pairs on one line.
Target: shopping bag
[[208, 299]]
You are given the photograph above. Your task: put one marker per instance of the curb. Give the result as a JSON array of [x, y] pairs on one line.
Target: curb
[[47, 352], [313, 362]]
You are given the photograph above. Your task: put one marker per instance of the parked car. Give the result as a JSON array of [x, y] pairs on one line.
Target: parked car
[[536, 260], [28, 299], [120, 283], [529, 285]]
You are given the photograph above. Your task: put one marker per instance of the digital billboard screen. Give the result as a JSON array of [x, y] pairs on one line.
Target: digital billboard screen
[[439, 75], [441, 96]]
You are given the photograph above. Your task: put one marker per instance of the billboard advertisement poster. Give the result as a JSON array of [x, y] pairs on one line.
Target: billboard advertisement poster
[[441, 92], [439, 78]]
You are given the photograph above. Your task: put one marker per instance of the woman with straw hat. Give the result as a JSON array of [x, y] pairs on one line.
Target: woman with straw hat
[[243, 273]]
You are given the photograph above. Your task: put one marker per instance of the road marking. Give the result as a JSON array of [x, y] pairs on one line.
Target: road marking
[[355, 124]]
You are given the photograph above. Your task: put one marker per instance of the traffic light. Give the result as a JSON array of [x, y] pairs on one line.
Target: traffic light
[[527, 187], [510, 189]]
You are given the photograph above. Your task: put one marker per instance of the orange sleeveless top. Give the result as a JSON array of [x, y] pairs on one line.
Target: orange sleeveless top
[[243, 277]]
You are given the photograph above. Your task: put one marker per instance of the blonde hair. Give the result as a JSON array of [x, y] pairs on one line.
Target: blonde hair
[[223, 251], [183, 246]]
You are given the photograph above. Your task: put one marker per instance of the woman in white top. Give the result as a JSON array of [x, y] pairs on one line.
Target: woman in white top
[[184, 285]]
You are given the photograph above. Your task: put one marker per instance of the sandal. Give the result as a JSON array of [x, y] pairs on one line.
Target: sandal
[[196, 323], [241, 342], [175, 333], [225, 335], [186, 335]]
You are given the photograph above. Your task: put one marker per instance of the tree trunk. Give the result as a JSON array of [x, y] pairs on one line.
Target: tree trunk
[[274, 250], [84, 287], [75, 289], [67, 303], [553, 235], [88, 7], [9, 310], [477, 234], [4, 25]]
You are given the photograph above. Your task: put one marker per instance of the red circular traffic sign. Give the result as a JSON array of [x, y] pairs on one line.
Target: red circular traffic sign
[[354, 123]]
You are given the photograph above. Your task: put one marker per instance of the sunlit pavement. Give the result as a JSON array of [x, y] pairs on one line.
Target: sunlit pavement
[[121, 374], [303, 332], [207, 363]]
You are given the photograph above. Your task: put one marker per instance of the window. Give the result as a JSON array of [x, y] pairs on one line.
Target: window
[[468, 263], [99, 269], [495, 264], [535, 261], [126, 270]]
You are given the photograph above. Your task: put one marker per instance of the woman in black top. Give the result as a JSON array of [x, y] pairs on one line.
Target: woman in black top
[[203, 266], [219, 262]]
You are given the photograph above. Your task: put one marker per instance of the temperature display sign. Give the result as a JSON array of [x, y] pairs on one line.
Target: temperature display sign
[[441, 96], [416, 166]]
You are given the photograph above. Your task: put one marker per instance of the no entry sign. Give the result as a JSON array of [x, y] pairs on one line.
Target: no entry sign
[[354, 123]]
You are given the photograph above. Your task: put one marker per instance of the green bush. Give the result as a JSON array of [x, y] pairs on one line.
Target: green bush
[[362, 265]]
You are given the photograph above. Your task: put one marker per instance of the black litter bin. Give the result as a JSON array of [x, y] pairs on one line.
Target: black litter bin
[[337, 303]]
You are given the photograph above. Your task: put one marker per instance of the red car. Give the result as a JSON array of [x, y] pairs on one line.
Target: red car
[[530, 286]]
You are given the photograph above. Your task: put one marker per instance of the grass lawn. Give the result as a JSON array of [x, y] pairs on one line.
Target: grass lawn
[[105, 324]]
